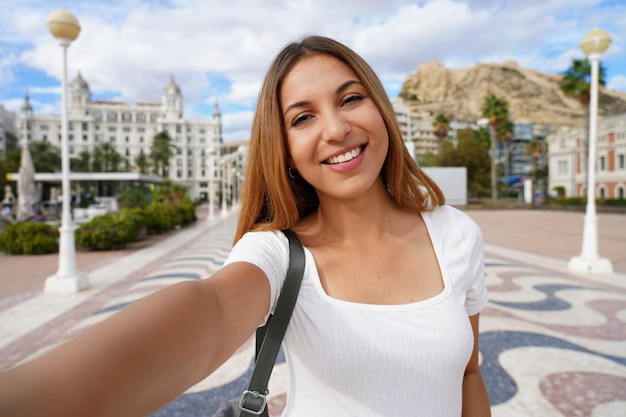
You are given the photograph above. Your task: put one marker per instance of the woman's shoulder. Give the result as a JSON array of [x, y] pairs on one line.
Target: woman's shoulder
[[448, 216], [272, 240]]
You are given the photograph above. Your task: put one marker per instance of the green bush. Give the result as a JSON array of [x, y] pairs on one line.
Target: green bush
[[134, 197], [110, 231], [187, 211], [617, 202], [158, 218], [29, 238]]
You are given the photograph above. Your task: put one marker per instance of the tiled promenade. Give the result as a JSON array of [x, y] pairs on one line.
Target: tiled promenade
[[553, 343]]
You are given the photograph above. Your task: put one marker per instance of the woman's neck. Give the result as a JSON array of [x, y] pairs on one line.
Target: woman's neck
[[353, 221]]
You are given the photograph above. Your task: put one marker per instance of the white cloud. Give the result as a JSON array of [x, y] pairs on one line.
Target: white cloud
[[617, 83], [220, 50]]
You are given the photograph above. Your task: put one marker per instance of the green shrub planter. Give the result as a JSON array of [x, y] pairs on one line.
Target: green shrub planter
[[29, 238], [110, 231]]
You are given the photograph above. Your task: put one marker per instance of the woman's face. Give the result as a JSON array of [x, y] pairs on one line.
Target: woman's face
[[336, 136]]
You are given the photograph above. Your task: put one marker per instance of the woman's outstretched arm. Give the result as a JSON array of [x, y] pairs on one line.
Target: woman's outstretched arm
[[145, 355], [475, 397]]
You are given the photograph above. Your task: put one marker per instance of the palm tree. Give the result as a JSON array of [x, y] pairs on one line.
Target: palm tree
[[142, 162], [106, 158], [496, 110], [45, 156], [161, 152], [576, 83], [82, 163], [504, 131], [442, 127]]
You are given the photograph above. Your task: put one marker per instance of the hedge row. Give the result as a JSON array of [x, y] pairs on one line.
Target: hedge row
[[115, 230], [109, 231], [29, 238]]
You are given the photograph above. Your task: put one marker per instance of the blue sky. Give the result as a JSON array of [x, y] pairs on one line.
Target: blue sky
[[219, 50]]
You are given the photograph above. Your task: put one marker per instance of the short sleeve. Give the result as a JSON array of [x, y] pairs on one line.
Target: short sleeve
[[476, 296], [269, 251]]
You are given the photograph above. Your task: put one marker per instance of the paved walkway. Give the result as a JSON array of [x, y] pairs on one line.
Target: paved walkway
[[553, 343]]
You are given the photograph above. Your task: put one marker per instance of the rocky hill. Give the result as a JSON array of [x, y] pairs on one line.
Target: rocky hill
[[532, 96]]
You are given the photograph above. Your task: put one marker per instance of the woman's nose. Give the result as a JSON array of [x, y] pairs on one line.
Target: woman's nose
[[335, 126]]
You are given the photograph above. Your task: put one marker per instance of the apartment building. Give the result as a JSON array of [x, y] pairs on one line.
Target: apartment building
[[568, 166]]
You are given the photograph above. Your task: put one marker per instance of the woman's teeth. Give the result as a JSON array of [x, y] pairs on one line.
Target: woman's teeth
[[344, 157]]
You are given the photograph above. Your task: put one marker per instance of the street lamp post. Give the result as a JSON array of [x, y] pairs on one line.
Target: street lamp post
[[224, 206], [593, 45], [211, 215], [65, 28]]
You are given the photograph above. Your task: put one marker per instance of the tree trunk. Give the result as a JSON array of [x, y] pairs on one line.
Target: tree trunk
[[494, 189]]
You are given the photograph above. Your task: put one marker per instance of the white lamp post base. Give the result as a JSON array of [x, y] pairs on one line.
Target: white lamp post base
[[68, 279], [69, 284], [590, 266]]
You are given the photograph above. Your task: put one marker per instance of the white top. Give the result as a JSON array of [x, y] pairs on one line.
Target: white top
[[352, 359]]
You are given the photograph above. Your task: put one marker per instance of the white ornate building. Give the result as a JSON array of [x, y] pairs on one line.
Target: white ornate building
[[131, 128], [8, 130], [566, 155]]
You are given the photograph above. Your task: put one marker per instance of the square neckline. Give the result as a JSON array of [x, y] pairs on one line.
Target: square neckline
[[425, 303]]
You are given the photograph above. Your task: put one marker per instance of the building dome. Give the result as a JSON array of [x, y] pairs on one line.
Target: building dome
[[171, 87], [79, 83], [26, 107]]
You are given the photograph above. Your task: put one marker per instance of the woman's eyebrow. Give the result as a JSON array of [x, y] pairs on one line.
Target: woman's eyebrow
[[347, 84], [341, 88]]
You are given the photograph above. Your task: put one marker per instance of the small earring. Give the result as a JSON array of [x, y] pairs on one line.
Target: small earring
[[291, 171]]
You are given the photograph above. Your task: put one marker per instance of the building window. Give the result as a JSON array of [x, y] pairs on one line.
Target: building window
[[70, 137], [85, 127], [602, 163], [153, 117], [126, 117], [562, 167], [141, 139], [126, 129], [620, 161], [84, 138], [111, 117], [111, 138], [97, 116], [112, 129], [70, 126]]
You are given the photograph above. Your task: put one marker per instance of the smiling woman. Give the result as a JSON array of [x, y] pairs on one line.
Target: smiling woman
[[386, 320]]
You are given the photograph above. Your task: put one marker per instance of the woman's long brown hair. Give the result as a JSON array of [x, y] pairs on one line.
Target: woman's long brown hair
[[271, 199]]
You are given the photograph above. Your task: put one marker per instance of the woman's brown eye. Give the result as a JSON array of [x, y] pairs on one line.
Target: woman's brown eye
[[353, 98], [299, 120]]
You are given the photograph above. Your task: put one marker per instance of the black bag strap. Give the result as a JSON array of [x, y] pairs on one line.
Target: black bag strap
[[270, 336]]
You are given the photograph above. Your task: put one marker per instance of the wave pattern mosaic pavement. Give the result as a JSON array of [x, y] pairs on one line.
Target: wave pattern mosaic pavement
[[552, 343]]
